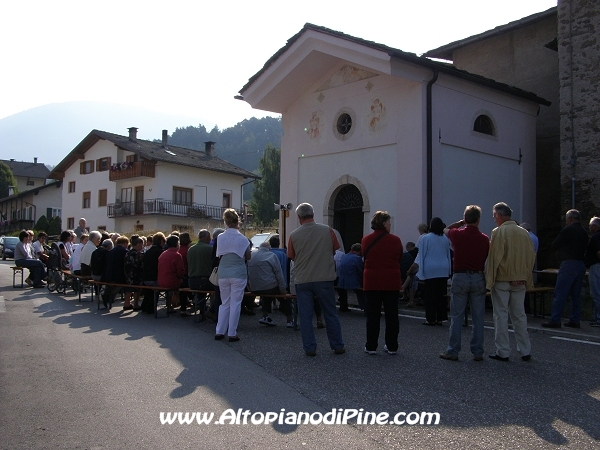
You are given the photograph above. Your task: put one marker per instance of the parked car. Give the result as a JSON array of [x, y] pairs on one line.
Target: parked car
[[259, 238], [7, 246]]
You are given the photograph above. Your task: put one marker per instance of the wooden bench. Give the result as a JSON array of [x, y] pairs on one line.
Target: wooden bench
[[80, 279], [539, 293], [16, 270], [197, 303], [156, 289]]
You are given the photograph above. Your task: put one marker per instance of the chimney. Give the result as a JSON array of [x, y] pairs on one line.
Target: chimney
[[165, 138], [133, 134], [35, 160], [209, 148]]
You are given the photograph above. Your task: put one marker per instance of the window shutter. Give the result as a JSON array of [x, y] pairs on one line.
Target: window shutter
[[81, 167], [98, 168], [48, 213]]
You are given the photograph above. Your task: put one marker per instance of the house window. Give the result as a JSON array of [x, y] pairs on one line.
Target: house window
[[87, 198], [102, 197], [226, 200], [102, 164], [182, 196], [71, 223], [344, 123], [53, 212], [86, 167], [138, 227], [101, 228], [30, 182], [483, 124], [71, 186]]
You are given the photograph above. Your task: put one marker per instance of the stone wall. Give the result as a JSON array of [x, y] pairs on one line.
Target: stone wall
[[579, 77]]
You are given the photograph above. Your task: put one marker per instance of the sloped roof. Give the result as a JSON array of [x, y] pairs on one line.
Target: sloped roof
[[445, 51], [151, 151], [27, 169], [402, 56], [56, 184]]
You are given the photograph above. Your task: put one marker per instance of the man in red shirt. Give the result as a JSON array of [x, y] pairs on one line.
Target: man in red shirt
[[170, 266], [471, 248]]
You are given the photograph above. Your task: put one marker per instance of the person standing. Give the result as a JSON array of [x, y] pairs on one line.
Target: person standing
[[508, 275], [592, 260], [312, 246], [471, 248], [434, 263], [570, 246], [80, 228], [350, 273], [382, 282], [233, 248]]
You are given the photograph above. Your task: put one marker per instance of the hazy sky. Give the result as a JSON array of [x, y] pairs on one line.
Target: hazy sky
[[191, 57]]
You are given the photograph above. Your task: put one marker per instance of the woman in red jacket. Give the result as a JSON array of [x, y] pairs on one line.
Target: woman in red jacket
[[382, 282]]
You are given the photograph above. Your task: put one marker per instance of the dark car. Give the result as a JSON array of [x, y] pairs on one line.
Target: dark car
[[7, 246]]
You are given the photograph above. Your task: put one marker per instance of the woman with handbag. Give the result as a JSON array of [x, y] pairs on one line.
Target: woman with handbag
[[234, 250], [382, 282]]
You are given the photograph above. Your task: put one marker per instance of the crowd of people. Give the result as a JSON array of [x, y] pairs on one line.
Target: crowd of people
[[378, 270]]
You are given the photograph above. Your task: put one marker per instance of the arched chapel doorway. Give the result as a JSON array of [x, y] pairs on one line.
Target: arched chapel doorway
[[348, 216]]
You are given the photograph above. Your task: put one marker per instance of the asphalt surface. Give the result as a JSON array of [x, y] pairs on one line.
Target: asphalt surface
[[75, 377]]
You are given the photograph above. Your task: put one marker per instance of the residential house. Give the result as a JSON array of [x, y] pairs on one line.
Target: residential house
[[368, 127], [22, 210], [28, 175], [125, 184]]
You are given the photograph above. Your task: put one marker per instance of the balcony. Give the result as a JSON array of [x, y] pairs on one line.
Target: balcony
[[128, 170], [164, 208]]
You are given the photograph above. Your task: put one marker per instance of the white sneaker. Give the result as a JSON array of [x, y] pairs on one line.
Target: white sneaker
[[370, 352], [290, 324], [267, 321], [388, 352]]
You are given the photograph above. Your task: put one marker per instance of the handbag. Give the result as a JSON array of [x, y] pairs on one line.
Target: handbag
[[214, 276]]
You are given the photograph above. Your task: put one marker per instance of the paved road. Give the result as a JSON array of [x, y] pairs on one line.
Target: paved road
[[75, 377]]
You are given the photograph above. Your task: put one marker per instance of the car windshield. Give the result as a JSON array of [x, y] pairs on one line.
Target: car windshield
[[11, 240], [258, 239]]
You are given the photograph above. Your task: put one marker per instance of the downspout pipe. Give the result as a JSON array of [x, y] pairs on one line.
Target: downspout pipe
[[430, 147]]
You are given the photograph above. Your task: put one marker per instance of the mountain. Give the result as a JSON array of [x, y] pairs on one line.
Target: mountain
[[51, 131]]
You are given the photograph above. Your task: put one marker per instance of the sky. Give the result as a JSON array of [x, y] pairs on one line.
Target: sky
[[191, 58]]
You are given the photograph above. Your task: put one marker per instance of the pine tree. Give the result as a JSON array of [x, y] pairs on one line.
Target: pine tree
[[266, 190]]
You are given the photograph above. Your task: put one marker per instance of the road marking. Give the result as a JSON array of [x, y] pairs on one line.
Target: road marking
[[2, 304], [575, 340]]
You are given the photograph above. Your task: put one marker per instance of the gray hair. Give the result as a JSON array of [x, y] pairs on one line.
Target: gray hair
[[305, 210], [265, 244], [503, 209], [108, 244], [574, 214], [595, 221], [95, 235]]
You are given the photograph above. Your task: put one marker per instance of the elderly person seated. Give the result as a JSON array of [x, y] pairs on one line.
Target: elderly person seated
[[25, 258], [265, 277]]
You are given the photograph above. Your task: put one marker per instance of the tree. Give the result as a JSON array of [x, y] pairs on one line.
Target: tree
[[6, 179], [42, 224], [266, 190], [55, 227]]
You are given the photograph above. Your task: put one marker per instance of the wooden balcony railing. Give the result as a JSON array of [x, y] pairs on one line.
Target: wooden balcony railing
[[127, 170], [164, 208]]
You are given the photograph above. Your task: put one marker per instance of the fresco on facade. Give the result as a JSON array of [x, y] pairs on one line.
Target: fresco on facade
[[346, 74]]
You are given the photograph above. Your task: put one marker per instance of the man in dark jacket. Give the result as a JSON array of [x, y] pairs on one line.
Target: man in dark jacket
[[115, 270], [570, 247]]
